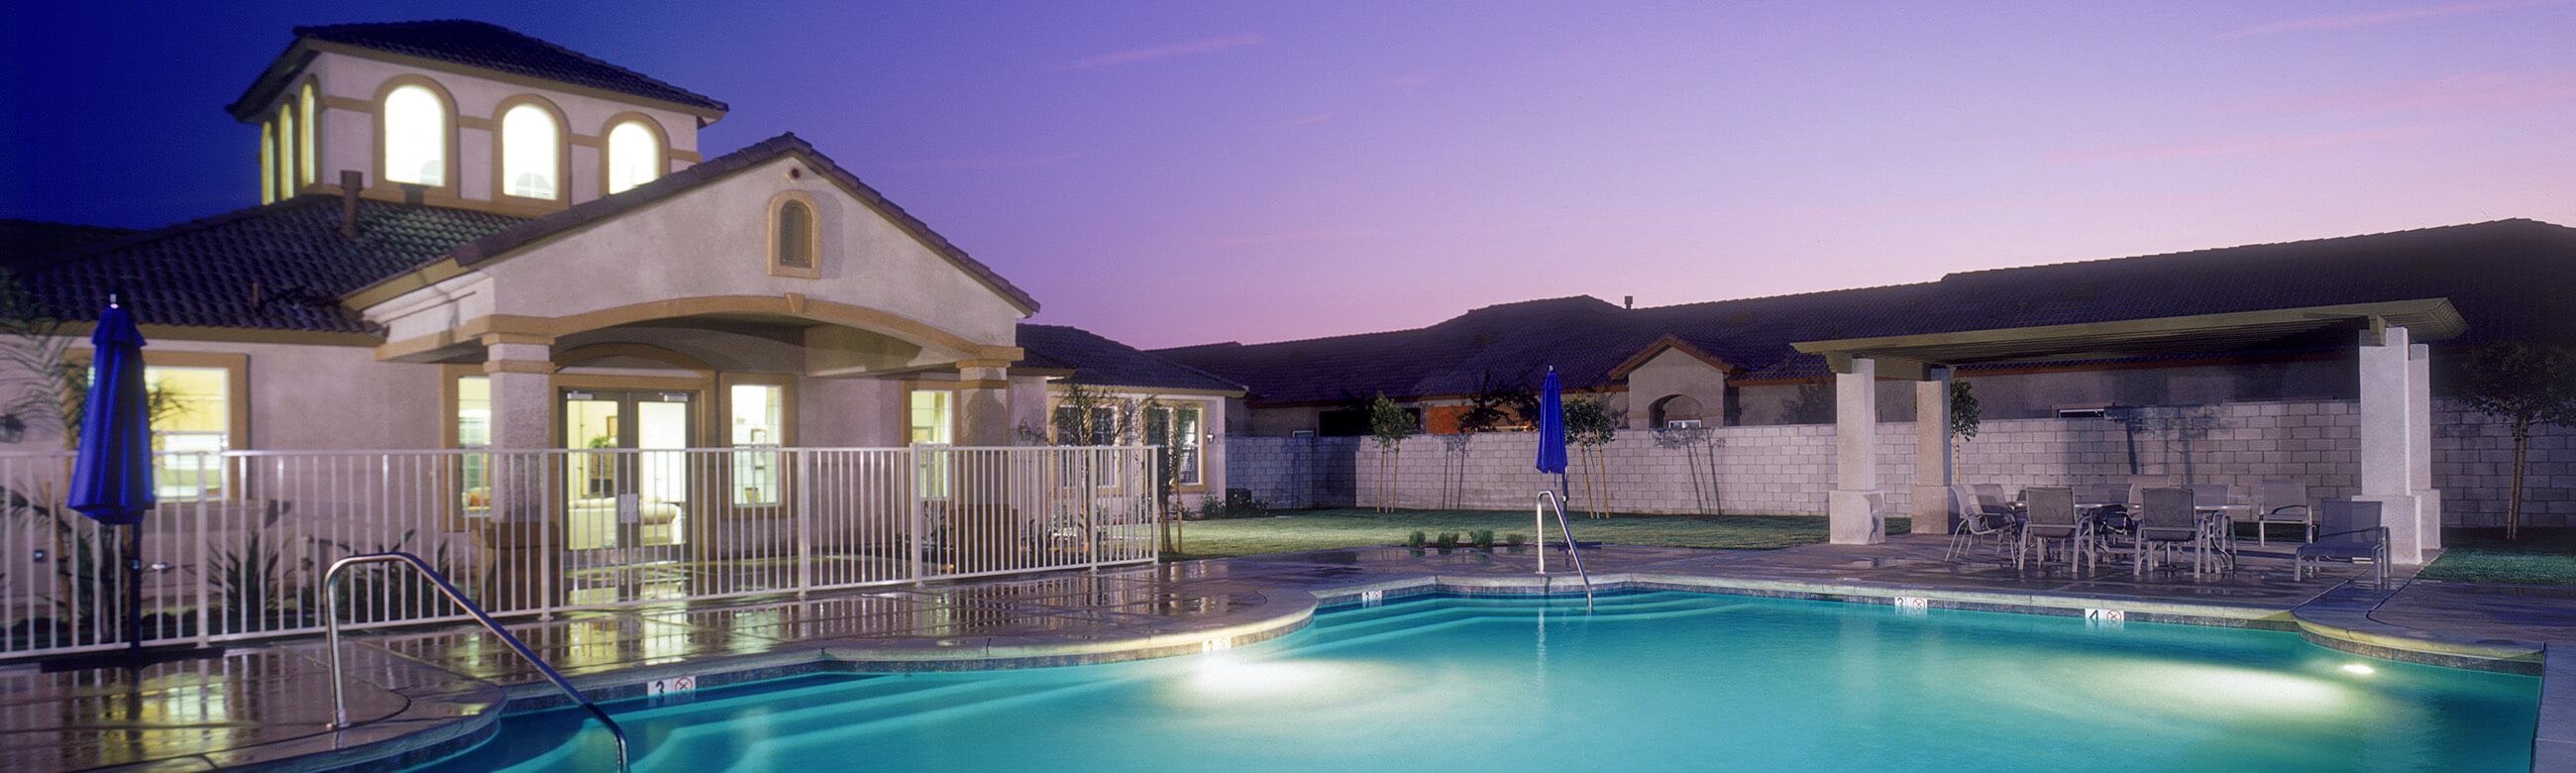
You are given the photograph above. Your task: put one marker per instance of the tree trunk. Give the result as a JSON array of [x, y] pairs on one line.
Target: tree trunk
[[1395, 472], [2513, 502]]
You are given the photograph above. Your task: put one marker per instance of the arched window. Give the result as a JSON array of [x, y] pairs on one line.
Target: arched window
[[530, 147], [311, 168], [286, 157], [267, 162], [415, 136], [1675, 412], [795, 236], [634, 155]]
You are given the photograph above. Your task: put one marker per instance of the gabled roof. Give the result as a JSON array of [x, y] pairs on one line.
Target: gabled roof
[[473, 44], [2507, 279], [675, 183], [282, 266], [1097, 361]]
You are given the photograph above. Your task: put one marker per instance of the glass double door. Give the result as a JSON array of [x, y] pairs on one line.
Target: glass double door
[[626, 481]]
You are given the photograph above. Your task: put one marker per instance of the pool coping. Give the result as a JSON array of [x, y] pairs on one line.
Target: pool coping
[[2336, 618]]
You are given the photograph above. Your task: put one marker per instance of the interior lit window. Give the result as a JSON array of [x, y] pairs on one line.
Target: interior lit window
[[528, 142], [1176, 429], [634, 156], [931, 412], [268, 162], [191, 415], [308, 169], [415, 137], [473, 432], [286, 158], [759, 421]]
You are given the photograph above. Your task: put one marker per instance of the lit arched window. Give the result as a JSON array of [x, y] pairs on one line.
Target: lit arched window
[[1674, 412], [310, 168], [415, 137], [267, 162], [286, 157], [529, 142], [634, 156], [795, 236]]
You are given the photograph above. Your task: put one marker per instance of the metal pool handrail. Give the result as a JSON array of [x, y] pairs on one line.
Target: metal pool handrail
[[1547, 499], [331, 626]]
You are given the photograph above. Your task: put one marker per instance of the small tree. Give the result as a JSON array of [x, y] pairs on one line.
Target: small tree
[[1390, 425], [1589, 426], [2526, 385], [1964, 417]]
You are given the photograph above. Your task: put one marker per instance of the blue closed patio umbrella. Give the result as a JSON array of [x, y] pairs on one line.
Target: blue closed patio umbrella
[[112, 474], [1551, 428]]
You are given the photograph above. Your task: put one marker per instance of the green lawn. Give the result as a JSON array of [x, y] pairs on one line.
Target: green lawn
[[2541, 557], [1302, 530]]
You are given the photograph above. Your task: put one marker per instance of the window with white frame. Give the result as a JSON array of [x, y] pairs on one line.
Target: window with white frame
[[474, 433], [932, 414], [758, 423], [1176, 428]]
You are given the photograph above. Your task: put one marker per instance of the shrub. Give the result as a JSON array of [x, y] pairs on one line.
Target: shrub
[[1417, 540]]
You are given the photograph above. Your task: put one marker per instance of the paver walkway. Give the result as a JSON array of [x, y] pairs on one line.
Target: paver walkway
[[429, 691]]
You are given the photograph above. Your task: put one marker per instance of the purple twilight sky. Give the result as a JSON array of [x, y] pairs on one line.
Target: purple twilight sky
[[1189, 172]]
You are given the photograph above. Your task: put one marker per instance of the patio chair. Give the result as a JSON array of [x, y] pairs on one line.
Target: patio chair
[[2052, 519], [2348, 531], [2000, 511], [2166, 523], [2284, 501], [2108, 505], [1974, 524]]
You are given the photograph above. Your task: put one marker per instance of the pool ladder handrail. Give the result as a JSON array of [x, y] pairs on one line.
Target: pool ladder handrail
[[1547, 499], [331, 626]]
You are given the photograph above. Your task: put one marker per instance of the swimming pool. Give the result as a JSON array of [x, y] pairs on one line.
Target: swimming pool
[[1652, 681]]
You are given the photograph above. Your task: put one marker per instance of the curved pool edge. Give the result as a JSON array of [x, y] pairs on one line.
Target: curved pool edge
[[2340, 619], [2336, 619]]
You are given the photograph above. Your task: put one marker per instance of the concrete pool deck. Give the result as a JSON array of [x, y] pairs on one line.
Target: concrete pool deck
[[418, 694]]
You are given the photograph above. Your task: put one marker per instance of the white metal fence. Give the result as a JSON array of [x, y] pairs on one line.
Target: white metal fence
[[240, 540]]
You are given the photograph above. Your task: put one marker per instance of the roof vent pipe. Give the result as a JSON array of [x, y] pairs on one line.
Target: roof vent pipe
[[350, 181]]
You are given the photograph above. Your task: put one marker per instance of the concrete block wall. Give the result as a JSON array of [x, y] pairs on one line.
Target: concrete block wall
[[1787, 469]]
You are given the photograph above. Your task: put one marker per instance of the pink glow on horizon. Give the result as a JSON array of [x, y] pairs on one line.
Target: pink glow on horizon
[[1172, 174]]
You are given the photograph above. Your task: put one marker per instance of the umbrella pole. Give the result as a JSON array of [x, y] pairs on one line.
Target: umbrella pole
[[134, 587]]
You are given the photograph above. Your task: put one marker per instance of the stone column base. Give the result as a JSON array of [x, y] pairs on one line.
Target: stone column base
[[1854, 518], [2403, 516], [1930, 507]]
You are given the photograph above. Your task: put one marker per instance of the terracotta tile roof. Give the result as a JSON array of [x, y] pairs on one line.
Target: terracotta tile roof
[[492, 47], [712, 169], [1098, 361], [2508, 278], [281, 266]]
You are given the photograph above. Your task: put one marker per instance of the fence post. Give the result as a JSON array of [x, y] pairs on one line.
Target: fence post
[[804, 520], [911, 485]]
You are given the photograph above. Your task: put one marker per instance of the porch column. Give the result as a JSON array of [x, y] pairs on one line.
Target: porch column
[[2396, 443], [1933, 474], [991, 528], [983, 403], [1852, 508], [522, 532]]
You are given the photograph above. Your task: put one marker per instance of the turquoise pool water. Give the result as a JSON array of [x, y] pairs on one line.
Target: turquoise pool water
[[1652, 681]]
